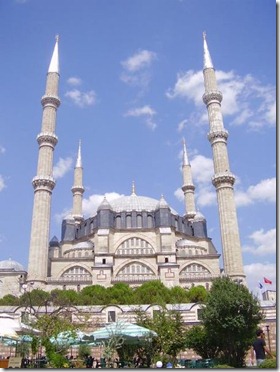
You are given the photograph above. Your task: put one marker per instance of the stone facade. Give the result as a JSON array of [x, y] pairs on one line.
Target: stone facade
[[127, 242]]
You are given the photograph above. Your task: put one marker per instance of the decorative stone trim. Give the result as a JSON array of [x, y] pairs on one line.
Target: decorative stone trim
[[50, 101], [43, 183], [218, 136], [212, 96], [223, 179], [77, 188], [47, 138], [188, 186]]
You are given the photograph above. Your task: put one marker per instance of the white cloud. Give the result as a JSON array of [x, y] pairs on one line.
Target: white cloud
[[181, 126], [206, 197], [62, 167], [90, 205], [202, 172], [2, 150], [58, 217], [244, 98], [82, 99], [147, 112], [255, 272], [189, 85], [74, 81], [202, 169], [242, 198], [2, 183], [264, 191], [137, 68], [179, 194], [263, 243], [141, 59]]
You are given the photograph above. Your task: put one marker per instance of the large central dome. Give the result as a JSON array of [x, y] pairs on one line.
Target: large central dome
[[135, 203]]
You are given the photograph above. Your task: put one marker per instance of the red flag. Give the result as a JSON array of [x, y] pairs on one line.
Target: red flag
[[267, 281]]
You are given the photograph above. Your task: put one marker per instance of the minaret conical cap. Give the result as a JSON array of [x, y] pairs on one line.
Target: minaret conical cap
[[185, 154], [54, 65], [79, 157], [207, 58]]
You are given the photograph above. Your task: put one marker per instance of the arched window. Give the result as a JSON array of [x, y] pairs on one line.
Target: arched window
[[76, 273], [118, 222], [139, 220], [128, 221], [150, 221]]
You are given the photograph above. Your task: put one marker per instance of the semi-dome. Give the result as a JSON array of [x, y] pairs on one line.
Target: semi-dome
[[182, 243], [81, 245], [135, 203], [11, 265]]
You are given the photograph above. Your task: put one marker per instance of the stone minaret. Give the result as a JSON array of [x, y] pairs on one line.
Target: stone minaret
[[78, 189], [188, 186], [43, 183], [223, 179]]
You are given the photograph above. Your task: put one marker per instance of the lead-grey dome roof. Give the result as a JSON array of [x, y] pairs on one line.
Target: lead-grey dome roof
[[135, 203], [11, 265]]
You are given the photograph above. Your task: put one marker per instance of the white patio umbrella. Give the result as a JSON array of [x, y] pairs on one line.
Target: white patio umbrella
[[11, 327], [8, 327], [128, 331]]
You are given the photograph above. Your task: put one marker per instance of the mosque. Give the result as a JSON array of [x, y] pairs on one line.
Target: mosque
[[132, 239]]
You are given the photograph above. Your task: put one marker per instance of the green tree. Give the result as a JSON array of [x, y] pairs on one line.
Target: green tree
[[171, 333], [198, 340], [66, 297], [231, 317], [178, 295], [151, 292], [9, 300], [120, 293], [94, 295], [197, 294]]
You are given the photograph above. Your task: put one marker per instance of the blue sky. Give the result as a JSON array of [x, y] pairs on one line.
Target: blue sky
[[130, 89]]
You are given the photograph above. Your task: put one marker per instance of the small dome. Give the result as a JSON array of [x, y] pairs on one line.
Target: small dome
[[162, 203], [54, 242], [11, 265], [104, 204]]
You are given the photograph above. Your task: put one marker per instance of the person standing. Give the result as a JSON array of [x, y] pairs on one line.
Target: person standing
[[259, 349]]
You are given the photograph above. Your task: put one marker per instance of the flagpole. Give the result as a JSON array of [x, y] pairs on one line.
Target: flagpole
[[260, 294]]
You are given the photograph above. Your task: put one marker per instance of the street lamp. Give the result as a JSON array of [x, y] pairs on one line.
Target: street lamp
[[268, 336]]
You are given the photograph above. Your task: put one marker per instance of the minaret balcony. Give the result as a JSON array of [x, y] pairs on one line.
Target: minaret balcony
[[47, 138], [225, 179], [78, 189], [43, 183], [212, 96], [218, 136], [51, 101], [188, 187]]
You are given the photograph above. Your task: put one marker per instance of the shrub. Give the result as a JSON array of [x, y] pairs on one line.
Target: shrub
[[222, 366], [268, 363]]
